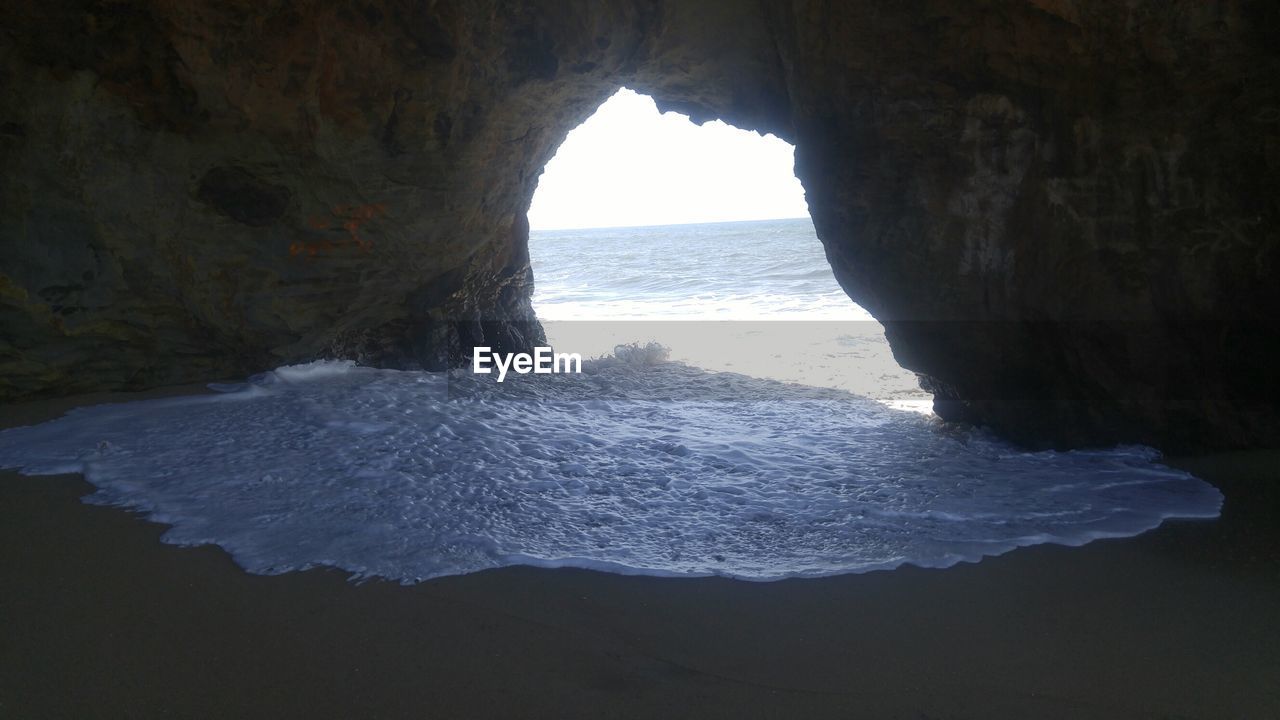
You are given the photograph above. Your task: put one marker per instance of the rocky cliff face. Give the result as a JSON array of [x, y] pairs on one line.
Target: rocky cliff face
[[1065, 211]]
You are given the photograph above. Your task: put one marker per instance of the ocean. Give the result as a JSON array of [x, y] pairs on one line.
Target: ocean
[[770, 269], [736, 415], [752, 297]]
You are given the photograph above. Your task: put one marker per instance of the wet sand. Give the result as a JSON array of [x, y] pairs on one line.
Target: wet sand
[[100, 619]]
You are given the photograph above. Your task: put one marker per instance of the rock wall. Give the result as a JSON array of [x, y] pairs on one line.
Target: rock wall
[[1064, 211]]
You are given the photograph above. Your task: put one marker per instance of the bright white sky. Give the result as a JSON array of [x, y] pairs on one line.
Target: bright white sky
[[630, 165]]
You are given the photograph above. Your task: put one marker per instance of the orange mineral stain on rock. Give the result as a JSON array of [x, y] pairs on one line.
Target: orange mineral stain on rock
[[357, 215], [348, 219]]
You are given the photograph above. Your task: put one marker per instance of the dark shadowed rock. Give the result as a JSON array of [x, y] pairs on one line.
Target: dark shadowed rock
[[235, 193], [1065, 211]]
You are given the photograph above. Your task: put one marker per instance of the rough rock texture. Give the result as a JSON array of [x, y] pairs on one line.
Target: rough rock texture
[[1065, 211]]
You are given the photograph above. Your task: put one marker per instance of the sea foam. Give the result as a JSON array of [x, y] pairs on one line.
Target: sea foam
[[635, 466]]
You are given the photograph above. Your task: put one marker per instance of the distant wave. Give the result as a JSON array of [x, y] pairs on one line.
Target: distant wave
[[741, 271]]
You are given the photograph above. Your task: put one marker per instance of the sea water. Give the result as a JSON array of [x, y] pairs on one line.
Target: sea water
[[640, 464], [757, 298]]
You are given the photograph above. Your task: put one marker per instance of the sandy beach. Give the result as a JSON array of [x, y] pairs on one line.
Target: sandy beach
[[103, 620]]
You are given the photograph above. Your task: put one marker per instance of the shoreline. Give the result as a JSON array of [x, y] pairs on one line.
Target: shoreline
[[105, 620]]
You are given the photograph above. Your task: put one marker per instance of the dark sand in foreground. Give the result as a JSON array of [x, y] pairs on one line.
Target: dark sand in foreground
[[100, 619]]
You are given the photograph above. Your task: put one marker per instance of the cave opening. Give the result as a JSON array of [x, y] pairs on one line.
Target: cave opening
[[695, 241]]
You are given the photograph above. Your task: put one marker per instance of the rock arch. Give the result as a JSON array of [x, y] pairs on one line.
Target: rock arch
[[1064, 211]]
